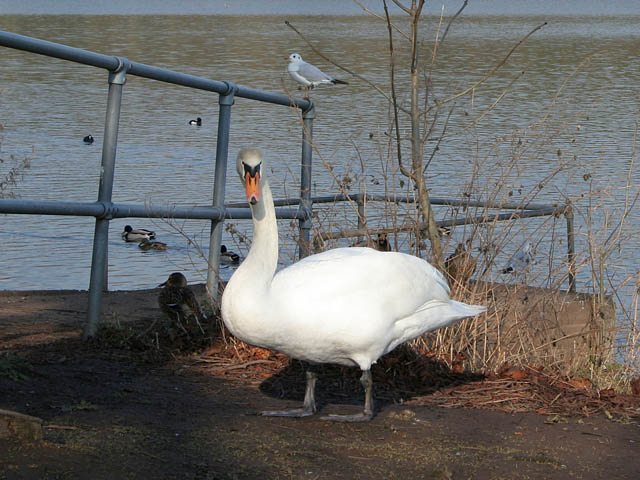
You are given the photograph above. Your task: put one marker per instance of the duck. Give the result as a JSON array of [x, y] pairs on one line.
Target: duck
[[382, 243], [136, 235], [460, 265], [345, 306], [88, 139], [520, 260], [175, 297], [228, 257], [197, 122], [146, 244]]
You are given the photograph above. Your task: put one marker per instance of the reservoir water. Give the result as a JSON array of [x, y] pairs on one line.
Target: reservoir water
[[556, 123]]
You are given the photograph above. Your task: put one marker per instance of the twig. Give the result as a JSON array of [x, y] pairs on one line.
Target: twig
[[377, 15], [61, 427], [243, 365], [446, 30], [490, 74]]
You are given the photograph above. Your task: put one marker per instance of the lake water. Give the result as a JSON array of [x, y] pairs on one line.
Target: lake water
[[569, 120]]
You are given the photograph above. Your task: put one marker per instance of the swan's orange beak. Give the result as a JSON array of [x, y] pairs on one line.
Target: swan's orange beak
[[252, 186]]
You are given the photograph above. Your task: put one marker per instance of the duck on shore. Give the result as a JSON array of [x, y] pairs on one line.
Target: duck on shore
[[175, 297]]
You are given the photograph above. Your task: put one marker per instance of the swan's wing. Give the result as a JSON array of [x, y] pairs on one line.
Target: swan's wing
[[338, 279]]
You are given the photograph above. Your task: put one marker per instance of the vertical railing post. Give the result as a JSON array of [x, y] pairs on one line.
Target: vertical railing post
[[117, 80], [222, 152], [304, 244], [571, 247], [362, 223]]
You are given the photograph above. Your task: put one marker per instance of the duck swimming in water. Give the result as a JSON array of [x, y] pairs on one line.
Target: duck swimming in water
[[88, 139], [347, 306], [228, 257], [197, 122], [136, 235], [151, 245]]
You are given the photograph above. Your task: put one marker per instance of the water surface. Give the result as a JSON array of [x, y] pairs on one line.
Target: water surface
[[580, 76]]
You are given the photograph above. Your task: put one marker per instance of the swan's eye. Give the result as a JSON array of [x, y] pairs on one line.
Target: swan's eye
[[251, 170]]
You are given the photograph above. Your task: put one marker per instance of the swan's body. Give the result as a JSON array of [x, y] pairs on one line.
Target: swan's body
[[347, 306]]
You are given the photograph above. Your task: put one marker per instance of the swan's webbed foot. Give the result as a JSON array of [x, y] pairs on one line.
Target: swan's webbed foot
[[309, 406], [358, 417], [367, 413], [294, 412]]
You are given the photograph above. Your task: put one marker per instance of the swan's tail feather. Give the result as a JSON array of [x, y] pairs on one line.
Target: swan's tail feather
[[466, 310]]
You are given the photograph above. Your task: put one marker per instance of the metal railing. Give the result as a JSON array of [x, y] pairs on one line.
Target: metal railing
[[104, 209], [516, 211]]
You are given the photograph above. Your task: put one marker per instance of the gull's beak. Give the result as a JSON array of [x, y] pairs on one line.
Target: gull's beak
[[252, 186]]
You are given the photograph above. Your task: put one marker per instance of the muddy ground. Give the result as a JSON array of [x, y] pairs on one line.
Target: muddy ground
[[142, 401]]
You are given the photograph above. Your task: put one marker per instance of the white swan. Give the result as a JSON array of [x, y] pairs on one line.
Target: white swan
[[347, 306]]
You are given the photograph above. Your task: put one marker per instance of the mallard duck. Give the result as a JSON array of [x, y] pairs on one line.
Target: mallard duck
[[520, 260], [382, 243], [173, 298], [460, 265], [197, 122], [347, 306], [228, 257], [151, 245], [136, 235], [88, 139]]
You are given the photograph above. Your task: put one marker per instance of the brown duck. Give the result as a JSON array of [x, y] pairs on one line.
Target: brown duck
[[173, 298], [460, 265]]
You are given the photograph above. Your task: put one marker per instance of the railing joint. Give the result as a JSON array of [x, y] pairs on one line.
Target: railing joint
[[119, 75]]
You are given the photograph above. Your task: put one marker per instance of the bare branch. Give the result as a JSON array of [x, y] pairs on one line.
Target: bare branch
[[407, 11], [491, 107], [446, 30], [490, 74], [394, 97], [371, 12]]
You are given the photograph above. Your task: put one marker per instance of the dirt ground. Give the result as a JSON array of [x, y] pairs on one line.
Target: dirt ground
[[141, 401]]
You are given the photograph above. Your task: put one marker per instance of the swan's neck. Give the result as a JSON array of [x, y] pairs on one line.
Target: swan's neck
[[260, 265]]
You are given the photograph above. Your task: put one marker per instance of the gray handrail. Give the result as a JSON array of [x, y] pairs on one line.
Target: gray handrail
[[104, 210]]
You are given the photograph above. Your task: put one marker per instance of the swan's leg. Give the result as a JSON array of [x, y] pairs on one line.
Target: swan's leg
[[367, 413], [309, 405]]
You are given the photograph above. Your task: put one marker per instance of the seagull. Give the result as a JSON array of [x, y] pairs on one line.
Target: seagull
[[307, 75], [520, 260]]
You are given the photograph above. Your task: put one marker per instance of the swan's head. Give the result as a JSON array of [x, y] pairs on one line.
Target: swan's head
[[250, 165], [295, 58]]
